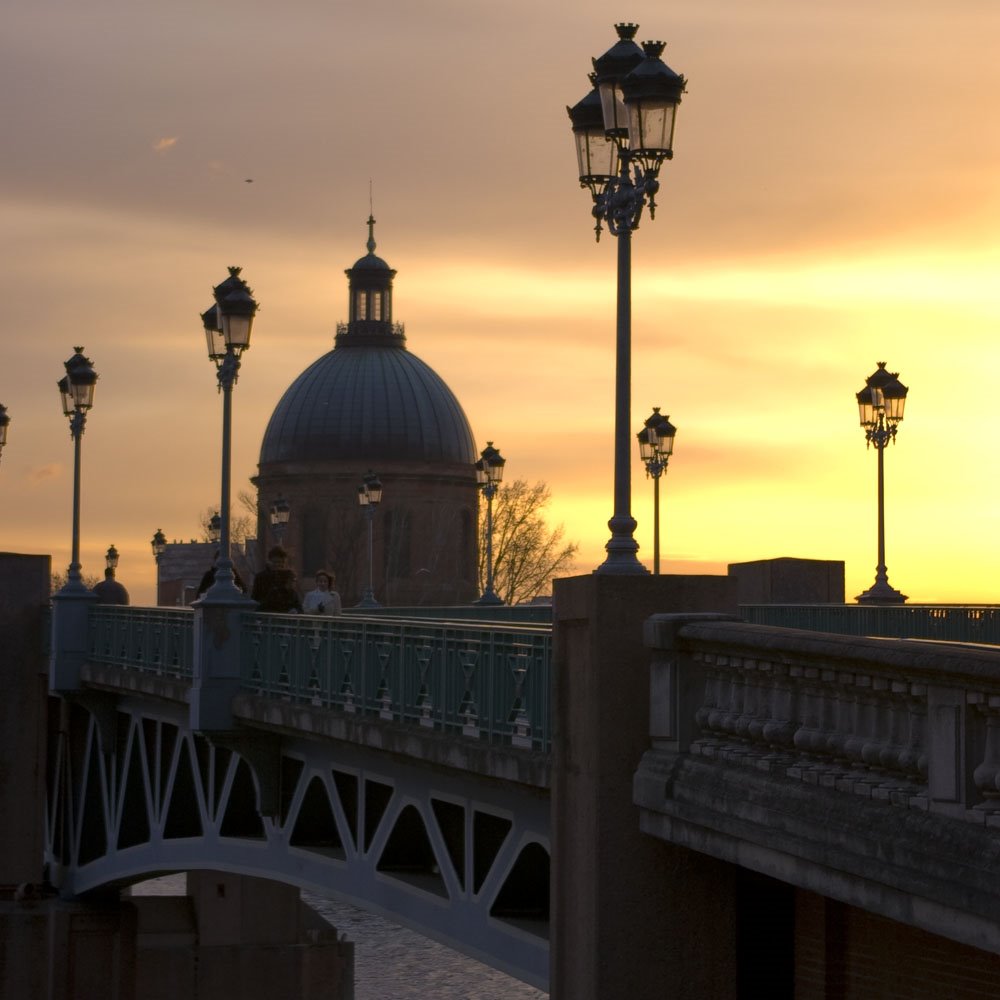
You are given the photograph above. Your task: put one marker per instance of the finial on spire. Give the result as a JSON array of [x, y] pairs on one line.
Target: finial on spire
[[371, 234]]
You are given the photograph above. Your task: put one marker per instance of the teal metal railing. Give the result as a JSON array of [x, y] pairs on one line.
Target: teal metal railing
[[943, 622], [486, 680], [153, 640]]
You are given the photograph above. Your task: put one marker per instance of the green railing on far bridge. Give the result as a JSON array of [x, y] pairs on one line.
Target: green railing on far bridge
[[486, 680], [941, 622]]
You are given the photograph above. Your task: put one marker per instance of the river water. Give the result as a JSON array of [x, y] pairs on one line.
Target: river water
[[393, 962]]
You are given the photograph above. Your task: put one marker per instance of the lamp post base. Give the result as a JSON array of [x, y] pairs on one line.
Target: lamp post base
[[490, 597], [881, 593]]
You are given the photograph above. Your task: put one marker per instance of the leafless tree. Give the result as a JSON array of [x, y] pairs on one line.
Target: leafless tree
[[242, 522], [527, 555]]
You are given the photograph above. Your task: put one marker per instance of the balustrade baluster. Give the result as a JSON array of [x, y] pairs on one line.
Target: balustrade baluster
[[986, 777]]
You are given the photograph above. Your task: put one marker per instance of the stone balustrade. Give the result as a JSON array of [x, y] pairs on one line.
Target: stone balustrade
[[916, 724]]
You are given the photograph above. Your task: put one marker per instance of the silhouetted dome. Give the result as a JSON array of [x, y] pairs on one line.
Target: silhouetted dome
[[369, 402]]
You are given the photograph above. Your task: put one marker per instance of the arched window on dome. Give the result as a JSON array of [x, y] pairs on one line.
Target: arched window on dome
[[361, 305]]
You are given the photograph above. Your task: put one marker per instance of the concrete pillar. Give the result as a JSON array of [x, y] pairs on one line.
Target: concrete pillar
[[632, 916], [24, 595], [216, 665]]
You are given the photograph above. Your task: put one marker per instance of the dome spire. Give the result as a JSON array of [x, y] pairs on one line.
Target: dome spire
[[371, 233]]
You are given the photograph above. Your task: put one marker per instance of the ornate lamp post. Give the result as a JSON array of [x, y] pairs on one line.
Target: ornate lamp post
[[369, 497], [76, 388], [880, 404], [214, 528], [279, 514], [656, 445], [111, 558], [158, 544], [489, 473], [4, 424], [624, 131], [227, 331]]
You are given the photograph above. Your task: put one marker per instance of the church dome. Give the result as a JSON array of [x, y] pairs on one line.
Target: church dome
[[369, 399], [371, 403]]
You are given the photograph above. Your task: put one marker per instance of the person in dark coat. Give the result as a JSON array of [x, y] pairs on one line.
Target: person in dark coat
[[274, 587], [209, 578]]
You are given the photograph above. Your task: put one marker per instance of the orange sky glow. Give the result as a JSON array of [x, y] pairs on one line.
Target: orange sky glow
[[834, 201]]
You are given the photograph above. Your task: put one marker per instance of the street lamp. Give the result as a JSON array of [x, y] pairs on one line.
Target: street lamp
[[76, 388], [228, 323], [656, 445], [623, 131], [4, 424], [159, 544], [279, 514], [880, 404], [369, 497], [111, 558], [214, 528], [489, 472]]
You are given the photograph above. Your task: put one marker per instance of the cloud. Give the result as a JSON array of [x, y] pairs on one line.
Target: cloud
[[162, 145]]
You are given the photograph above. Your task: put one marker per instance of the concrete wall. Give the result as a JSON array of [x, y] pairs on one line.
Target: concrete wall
[[24, 594], [626, 909], [789, 581]]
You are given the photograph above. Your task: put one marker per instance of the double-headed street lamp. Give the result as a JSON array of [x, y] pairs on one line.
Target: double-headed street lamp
[[227, 324], [880, 404], [279, 515], [489, 473], [624, 130], [656, 445], [369, 497], [4, 424], [76, 389], [158, 544]]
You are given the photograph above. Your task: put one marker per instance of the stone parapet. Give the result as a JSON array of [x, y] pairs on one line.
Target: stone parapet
[[862, 769]]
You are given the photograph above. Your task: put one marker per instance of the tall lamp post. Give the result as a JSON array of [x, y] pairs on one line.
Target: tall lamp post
[[656, 445], [76, 388], [227, 324], [624, 130], [489, 473], [369, 497], [880, 404], [4, 424]]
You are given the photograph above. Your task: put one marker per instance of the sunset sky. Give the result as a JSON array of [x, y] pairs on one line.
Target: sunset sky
[[834, 201]]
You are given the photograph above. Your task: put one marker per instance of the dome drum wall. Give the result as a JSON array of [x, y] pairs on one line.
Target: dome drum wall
[[423, 535]]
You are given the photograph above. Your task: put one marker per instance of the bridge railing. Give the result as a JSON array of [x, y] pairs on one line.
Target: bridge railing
[[153, 640], [486, 680], [949, 622], [915, 723]]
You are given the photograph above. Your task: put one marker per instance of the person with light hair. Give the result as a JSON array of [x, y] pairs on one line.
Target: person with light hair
[[323, 600]]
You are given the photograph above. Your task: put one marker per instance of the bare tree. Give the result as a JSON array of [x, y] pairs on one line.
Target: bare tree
[[242, 521], [526, 554], [89, 581]]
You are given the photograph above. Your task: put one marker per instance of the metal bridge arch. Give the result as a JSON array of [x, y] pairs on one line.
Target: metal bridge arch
[[456, 856]]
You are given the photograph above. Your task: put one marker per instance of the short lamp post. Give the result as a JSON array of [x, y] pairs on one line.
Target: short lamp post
[[158, 544], [489, 473], [369, 497], [624, 131], [880, 404], [227, 324], [214, 528], [279, 515], [656, 445], [4, 424], [76, 389]]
